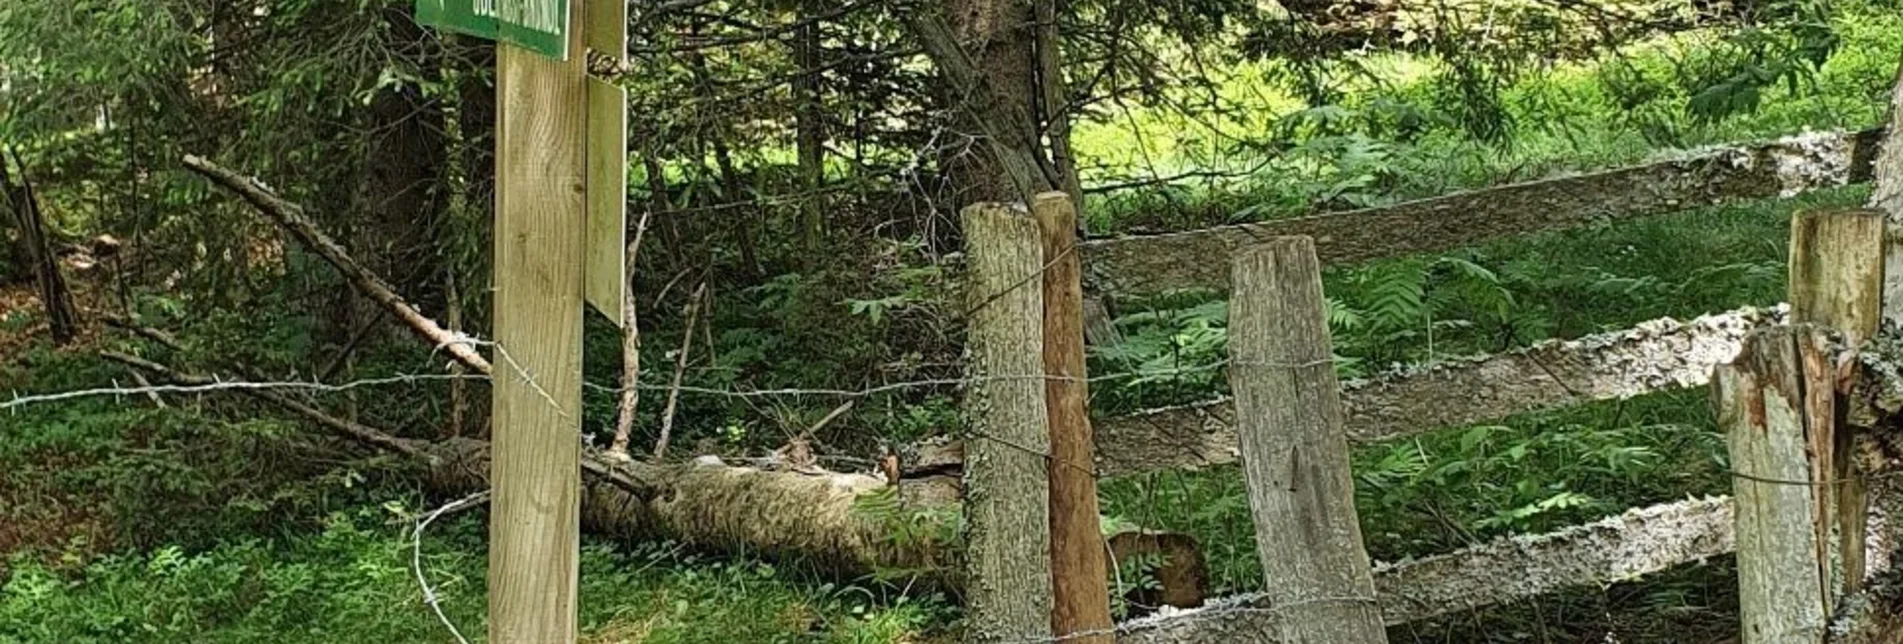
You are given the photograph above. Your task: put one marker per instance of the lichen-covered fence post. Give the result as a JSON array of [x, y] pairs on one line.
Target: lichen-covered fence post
[[1007, 487], [1294, 452]]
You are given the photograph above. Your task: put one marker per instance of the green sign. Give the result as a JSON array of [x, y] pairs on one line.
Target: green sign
[[540, 26]]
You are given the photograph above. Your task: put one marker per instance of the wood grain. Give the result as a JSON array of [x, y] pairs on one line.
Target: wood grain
[[1836, 267], [606, 267], [1081, 595], [1294, 453], [1761, 409], [606, 34], [534, 528]]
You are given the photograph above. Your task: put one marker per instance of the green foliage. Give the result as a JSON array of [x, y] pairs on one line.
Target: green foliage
[[935, 527], [351, 580]]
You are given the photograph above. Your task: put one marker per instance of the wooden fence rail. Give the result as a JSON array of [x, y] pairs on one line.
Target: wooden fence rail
[[1290, 422], [1788, 166], [1639, 542], [1658, 355]]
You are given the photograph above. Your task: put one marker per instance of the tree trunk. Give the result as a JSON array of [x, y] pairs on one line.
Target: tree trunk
[[400, 202], [397, 207], [809, 122], [61, 315], [999, 103], [730, 185], [1053, 113]]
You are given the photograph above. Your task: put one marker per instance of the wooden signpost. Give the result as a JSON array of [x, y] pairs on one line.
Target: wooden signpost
[[561, 177]]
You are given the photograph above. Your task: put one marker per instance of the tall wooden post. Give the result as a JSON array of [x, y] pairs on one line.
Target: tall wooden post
[[1294, 450], [1079, 586], [1007, 484], [534, 526]]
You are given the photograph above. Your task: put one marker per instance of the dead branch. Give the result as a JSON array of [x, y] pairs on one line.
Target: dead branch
[[630, 348], [291, 217], [680, 369]]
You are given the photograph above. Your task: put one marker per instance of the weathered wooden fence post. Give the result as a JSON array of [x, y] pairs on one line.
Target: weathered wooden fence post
[[1080, 595], [1836, 267], [1762, 399], [1778, 406], [1294, 451], [1007, 486]]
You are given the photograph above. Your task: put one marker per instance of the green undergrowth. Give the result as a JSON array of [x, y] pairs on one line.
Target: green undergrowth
[[351, 580], [1396, 136], [209, 521]]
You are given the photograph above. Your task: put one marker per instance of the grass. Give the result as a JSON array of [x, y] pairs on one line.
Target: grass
[[1563, 116], [351, 580]]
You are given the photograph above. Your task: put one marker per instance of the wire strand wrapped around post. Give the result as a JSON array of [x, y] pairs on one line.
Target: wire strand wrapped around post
[[1007, 504], [1294, 452]]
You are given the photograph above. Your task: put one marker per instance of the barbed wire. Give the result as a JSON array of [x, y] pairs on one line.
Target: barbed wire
[[227, 385], [430, 597], [22, 400]]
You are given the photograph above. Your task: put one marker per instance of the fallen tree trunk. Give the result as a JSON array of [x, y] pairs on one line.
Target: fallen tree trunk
[[704, 504], [843, 523], [1199, 259], [1639, 542], [1658, 355]]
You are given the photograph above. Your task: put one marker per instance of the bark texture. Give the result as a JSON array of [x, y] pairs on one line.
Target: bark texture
[[1007, 479], [993, 89], [713, 507], [1639, 542], [1871, 616], [1294, 457], [1199, 259], [1659, 355]]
